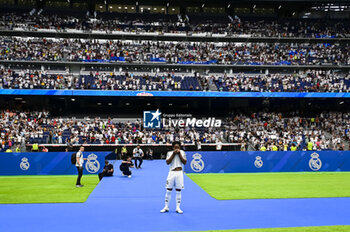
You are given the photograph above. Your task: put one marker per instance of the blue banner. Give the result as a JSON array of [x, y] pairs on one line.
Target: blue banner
[[269, 161], [59, 163], [131, 93], [49, 163]]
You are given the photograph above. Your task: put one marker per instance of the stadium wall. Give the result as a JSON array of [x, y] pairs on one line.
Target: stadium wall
[[48, 163], [59, 163], [269, 161]]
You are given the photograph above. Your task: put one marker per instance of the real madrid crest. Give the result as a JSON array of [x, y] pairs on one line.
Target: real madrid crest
[[315, 163], [197, 164], [92, 165], [24, 165], [258, 162]]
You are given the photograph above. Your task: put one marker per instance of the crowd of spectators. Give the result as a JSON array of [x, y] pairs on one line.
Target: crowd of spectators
[[305, 81], [308, 81], [26, 79], [19, 127], [173, 52], [324, 131], [189, 24], [261, 131]]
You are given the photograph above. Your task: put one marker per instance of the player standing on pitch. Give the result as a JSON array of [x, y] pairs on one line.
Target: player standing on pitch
[[176, 159]]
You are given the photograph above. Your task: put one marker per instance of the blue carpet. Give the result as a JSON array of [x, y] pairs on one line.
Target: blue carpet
[[122, 204]]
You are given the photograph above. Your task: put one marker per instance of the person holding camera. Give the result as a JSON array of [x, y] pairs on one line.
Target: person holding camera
[[176, 159], [125, 166], [138, 154]]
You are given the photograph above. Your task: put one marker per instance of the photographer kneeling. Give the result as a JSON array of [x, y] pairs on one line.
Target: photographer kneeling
[[125, 166], [107, 170]]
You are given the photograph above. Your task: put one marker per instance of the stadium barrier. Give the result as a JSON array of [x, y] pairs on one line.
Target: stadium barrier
[[59, 163], [190, 94], [159, 150], [49, 163], [269, 161], [119, 35]]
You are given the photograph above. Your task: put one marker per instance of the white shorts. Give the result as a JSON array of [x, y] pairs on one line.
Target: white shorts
[[175, 179]]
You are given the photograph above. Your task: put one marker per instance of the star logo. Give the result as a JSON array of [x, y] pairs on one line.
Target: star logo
[[152, 119], [156, 115]]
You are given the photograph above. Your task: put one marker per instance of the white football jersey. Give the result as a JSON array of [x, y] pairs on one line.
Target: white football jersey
[[176, 161]]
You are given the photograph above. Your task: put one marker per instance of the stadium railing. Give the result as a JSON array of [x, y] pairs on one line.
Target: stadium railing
[[159, 150], [157, 65], [167, 36]]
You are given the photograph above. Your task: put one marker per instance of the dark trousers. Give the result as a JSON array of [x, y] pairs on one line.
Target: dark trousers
[[126, 172], [138, 159], [80, 174], [104, 173]]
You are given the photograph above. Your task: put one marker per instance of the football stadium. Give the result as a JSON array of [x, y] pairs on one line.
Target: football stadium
[[174, 115]]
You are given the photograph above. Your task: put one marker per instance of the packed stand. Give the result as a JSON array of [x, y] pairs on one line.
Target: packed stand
[[130, 81], [39, 127], [173, 52], [308, 81], [268, 131], [25, 79], [261, 130], [175, 24]]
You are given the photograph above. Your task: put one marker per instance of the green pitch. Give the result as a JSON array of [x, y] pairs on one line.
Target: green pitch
[[231, 186], [45, 189], [293, 229]]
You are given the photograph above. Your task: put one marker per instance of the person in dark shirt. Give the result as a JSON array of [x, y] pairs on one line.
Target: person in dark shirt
[[150, 153], [107, 170], [125, 166]]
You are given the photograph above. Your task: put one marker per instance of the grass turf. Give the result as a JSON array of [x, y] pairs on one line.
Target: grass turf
[[293, 229], [45, 189], [231, 186]]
